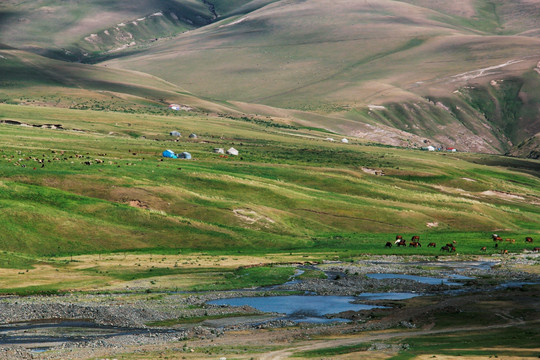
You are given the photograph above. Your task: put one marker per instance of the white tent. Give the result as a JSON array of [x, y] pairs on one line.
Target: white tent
[[232, 151], [345, 141]]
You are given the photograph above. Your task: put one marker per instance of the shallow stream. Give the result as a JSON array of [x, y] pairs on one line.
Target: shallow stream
[[313, 309]]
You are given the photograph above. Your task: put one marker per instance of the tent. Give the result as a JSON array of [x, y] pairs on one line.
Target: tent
[[169, 154], [345, 141], [174, 107], [192, 136], [185, 155], [175, 133], [219, 150], [232, 151]]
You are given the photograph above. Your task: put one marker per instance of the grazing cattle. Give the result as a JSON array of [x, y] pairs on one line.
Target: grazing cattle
[[431, 245], [536, 249], [415, 238], [504, 252], [399, 237], [388, 244], [445, 248], [483, 248], [415, 244], [449, 245], [402, 243], [453, 249], [496, 246], [511, 240], [494, 236], [528, 239], [499, 238]]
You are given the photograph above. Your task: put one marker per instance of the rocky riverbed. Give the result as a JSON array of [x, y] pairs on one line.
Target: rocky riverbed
[[78, 325]]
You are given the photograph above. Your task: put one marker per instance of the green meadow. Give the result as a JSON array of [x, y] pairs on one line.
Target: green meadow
[[101, 185]]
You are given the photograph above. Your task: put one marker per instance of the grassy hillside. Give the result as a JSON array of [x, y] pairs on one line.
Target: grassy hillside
[[408, 56], [94, 29], [529, 148], [30, 79], [79, 30], [106, 187]]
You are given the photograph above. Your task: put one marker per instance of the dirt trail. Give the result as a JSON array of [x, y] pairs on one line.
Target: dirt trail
[[321, 344]]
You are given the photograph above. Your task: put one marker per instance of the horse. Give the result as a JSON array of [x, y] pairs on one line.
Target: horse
[[445, 248], [399, 237], [415, 238], [415, 244], [402, 243], [431, 245], [388, 244]]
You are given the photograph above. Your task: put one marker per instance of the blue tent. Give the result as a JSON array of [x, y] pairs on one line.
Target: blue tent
[[169, 154], [185, 155]]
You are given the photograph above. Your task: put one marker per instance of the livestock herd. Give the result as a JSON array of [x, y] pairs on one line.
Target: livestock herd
[[451, 247]]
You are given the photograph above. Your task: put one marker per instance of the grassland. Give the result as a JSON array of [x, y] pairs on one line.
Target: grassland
[[89, 205], [98, 184]]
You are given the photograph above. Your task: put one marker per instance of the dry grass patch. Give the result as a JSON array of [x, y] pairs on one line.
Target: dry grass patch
[[48, 275]]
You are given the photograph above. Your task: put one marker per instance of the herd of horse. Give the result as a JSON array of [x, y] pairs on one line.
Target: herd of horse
[[451, 247]]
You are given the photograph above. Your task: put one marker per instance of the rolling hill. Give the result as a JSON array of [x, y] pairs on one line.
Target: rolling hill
[[407, 70], [406, 73], [84, 31], [96, 181], [30, 79], [81, 167]]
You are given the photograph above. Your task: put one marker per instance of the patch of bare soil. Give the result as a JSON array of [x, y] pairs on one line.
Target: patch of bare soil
[[252, 217], [138, 204], [373, 171], [502, 195]]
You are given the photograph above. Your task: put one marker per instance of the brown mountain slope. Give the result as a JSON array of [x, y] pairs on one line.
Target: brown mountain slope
[[426, 68]]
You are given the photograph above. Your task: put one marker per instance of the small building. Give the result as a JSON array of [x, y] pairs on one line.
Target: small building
[[219, 151], [451, 149], [232, 151], [428, 148], [345, 141], [185, 155], [175, 133], [174, 107], [169, 154], [192, 136]]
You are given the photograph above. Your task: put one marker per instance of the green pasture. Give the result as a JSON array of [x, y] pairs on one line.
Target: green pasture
[[517, 341], [284, 191]]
